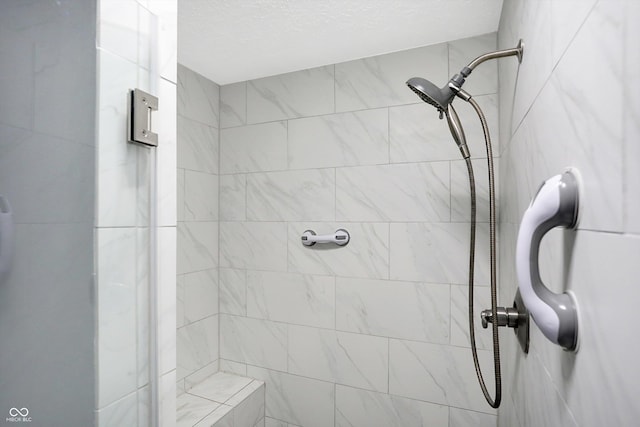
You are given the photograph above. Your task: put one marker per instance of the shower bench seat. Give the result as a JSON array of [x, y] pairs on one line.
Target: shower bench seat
[[222, 400]]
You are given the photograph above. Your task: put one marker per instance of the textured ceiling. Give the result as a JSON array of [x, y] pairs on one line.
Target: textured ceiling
[[234, 40]]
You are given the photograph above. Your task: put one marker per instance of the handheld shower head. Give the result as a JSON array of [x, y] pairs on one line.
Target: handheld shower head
[[456, 131], [430, 93], [441, 99]]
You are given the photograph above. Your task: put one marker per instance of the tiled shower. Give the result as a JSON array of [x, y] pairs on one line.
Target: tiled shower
[[339, 335], [373, 333]]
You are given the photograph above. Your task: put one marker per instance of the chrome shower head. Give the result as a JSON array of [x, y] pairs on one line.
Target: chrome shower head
[[441, 99], [430, 93]]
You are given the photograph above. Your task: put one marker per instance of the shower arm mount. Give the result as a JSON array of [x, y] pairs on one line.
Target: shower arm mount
[[458, 80], [516, 51]]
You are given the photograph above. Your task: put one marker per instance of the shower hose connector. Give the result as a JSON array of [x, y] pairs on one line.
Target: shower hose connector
[[507, 316]]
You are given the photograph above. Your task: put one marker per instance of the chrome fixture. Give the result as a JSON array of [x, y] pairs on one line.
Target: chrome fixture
[[341, 237], [441, 99], [141, 104]]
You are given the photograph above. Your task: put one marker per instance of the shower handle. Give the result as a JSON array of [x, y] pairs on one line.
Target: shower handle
[[340, 237], [554, 205]]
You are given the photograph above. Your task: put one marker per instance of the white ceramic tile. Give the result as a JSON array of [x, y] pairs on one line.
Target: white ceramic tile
[[355, 407], [408, 192], [632, 126], [438, 374], [566, 18], [233, 367], [191, 409], [249, 405], [197, 345], [272, 422], [351, 359], [584, 135], [117, 315], [200, 295], [291, 196], [253, 341], [147, 23], [463, 418], [167, 12], [233, 197], [220, 417], [460, 195], [437, 252], [220, 387], [16, 75], [202, 374], [366, 254], [292, 298], [562, 130], [296, 400], [118, 28], [167, 400], [254, 387], [233, 291], [198, 97], [46, 179], [379, 81], [166, 154], [415, 311], [507, 414], [197, 246], [601, 269], [347, 139], [201, 196], [254, 148], [143, 405], [484, 79], [545, 396], [180, 189], [298, 94], [417, 134], [65, 78], [534, 27], [116, 160], [233, 105], [257, 245], [460, 315], [120, 413], [180, 321], [197, 146]]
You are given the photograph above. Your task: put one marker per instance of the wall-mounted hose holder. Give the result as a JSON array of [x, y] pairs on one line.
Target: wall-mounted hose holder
[[554, 205], [515, 317]]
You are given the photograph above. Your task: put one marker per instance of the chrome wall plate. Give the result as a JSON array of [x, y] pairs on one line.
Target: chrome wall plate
[[141, 104], [522, 330]]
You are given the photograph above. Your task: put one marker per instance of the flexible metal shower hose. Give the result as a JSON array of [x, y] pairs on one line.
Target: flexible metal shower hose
[[494, 403]]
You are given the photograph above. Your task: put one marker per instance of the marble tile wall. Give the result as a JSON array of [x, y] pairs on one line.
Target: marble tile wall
[[135, 48], [375, 332], [550, 118], [197, 214]]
